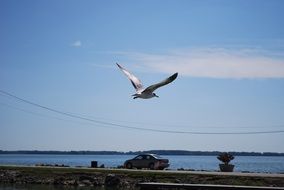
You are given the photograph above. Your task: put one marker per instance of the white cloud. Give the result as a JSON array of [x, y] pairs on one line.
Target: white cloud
[[77, 43], [213, 63]]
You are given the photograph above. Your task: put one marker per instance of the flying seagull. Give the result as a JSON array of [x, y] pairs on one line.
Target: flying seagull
[[148, 92]]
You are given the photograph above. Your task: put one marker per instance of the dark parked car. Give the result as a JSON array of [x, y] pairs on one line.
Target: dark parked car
[[151, 161]]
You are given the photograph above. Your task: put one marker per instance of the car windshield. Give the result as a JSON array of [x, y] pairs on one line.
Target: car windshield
[[156, 156]]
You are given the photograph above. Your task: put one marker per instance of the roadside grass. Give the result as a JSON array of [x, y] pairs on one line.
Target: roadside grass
[[149, 175]]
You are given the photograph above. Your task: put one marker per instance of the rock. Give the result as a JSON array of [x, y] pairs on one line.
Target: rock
[[98, 182], [102, 166], [125, 185], [71, 182], [112, 180], [86, 177], [86, 182], [58, 181]]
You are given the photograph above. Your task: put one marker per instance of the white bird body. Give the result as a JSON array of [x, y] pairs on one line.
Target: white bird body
[[145, 93]]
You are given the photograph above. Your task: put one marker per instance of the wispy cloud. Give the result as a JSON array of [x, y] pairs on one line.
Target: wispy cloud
[[213, 62], [77, 43]]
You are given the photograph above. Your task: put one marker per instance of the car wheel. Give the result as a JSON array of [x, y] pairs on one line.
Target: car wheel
[[129, 165], [152, 166]]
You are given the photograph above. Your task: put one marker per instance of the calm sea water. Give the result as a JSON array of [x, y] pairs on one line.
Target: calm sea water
[[208, 163]]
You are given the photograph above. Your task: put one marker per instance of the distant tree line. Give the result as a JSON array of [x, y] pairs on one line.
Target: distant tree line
[[160, 152]]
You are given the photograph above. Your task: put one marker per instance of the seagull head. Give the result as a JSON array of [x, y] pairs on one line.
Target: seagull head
[[155, 95]]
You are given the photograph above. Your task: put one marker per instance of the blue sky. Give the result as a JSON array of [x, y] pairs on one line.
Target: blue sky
[[62, 55]]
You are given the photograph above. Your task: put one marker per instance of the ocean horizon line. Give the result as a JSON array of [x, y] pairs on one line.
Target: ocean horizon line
[[160, 152]]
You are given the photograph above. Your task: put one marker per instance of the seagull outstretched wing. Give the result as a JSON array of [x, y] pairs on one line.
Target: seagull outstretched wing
[[133, 79], [153, 87]]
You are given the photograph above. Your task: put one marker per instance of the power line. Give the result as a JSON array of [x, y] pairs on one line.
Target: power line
[[46, 116], [118, 122], [131, 127], [181, 125]]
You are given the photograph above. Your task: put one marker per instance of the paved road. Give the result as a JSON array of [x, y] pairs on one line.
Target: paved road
[[231, 173], [209, 173]]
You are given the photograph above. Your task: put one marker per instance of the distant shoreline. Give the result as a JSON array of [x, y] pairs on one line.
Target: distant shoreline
[[160, 152]]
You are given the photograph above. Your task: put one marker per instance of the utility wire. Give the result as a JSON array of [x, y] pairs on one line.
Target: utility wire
[[131, 127], [49, 116], [180, 125], [166, 124]]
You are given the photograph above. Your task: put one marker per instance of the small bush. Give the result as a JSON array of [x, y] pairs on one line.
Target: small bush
[[225, 157]]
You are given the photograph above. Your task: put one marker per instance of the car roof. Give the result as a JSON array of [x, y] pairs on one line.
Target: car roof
[[147, 154]]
